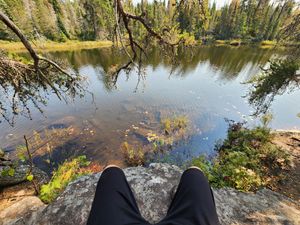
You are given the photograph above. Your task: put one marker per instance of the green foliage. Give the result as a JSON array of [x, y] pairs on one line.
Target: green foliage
[[10, 171], [29, 177], [95, 19], [246, 160], [60, 20], [254, 20], [67, 172], [17, 57]]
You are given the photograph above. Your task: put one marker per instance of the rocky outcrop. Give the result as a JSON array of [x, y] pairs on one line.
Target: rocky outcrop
[[154, 188], [19, 175]]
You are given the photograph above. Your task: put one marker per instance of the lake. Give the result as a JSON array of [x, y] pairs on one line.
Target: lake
[[205, 84]]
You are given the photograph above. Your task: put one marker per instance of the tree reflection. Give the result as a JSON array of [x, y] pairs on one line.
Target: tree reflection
[[229, 60], [281, 76], [22, 88]]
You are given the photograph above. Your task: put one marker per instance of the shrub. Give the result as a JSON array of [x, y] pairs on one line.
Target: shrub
[[67, 172], [246, 161]]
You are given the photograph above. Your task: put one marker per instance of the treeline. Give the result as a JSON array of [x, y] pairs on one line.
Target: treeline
[[59, 20]]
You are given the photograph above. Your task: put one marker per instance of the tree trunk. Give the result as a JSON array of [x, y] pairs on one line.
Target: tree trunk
[[22, 37]]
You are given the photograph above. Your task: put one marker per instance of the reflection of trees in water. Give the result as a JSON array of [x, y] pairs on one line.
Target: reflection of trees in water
[[280, 77], [22, 88], [26, 82], [229, 60]]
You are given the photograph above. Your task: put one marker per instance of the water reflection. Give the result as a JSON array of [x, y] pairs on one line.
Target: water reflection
[[202, 83], [228, 60]]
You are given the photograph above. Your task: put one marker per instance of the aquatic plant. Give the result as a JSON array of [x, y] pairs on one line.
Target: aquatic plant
[[247, 160], [171, 125], [134, 156], [159, 140]]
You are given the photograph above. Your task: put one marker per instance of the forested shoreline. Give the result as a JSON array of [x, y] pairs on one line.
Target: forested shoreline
[[244, 21]]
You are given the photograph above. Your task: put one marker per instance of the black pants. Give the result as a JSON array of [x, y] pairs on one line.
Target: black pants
[[114, 203]]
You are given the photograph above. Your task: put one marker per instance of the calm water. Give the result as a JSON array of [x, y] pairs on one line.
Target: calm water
[[205, 85]]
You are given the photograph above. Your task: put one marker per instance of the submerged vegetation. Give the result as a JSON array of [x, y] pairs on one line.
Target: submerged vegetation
[[247, 159], [134, 156], [172, 130], [172, 125]]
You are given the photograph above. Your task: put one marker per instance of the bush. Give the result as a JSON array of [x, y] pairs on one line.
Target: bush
[[246, 160], [66, 173]]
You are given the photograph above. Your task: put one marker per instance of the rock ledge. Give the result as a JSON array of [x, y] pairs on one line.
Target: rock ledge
[[154, 188]]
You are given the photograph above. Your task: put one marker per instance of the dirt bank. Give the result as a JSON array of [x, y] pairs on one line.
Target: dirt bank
[[290, 141]]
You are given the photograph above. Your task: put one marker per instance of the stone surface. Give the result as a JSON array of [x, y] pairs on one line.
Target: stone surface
[[154, 188], [20, 173], [20, 208]]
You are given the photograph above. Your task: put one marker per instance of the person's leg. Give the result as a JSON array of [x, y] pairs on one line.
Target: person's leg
[[114, 203], [193, 203]]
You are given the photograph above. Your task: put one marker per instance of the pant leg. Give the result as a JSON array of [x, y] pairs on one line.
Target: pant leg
[[193, 203], [114, 203]]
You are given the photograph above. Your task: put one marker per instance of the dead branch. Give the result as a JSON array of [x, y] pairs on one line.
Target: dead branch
[[31, 164], [29, 80]]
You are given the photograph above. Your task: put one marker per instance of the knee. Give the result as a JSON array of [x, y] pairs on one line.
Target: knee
[[111, 166], [112, 170], [194, 174], [194, 170]]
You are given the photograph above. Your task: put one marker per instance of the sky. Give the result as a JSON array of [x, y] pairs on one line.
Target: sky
[[220, 3]]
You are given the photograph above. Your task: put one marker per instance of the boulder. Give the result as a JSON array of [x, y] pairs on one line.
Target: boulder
[[24, 206], [19, 175], [154, 187]]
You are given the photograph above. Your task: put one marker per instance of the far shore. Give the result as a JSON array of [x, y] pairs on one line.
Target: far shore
[[54, 46], [47, 46]]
